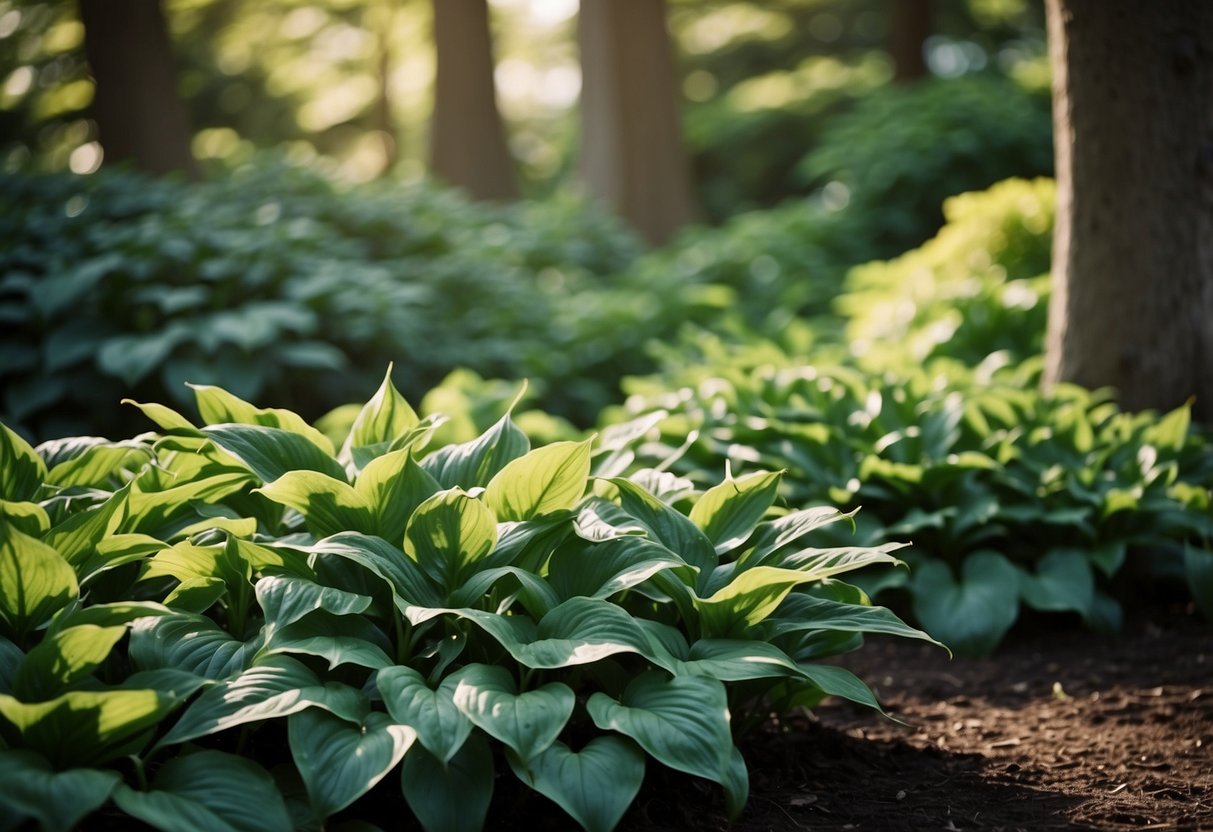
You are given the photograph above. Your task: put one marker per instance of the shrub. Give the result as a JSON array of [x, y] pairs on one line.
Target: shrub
[[243, 620]]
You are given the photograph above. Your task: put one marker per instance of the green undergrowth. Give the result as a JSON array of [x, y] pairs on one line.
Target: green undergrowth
[[240, 622]]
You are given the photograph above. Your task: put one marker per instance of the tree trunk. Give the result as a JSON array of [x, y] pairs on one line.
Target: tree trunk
[[1133, 245], [632, 156], [140, 117], [909, 28], [468, 147]]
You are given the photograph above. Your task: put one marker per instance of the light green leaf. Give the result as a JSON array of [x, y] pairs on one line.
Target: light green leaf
[[599, 570], [278, 687], [392, 486], [448, 534], [453, 797], [441, 727], [667, 526], [55, 801], [217, 406], [286, 600], [208, 791], [475, 463], [545, 480], [271, 452], [22, 471], [970, 616], [169, 420], [328, 505], [108, 615], [681, 721], [35, 582], [819, 564], [410, 586], [595, 785], [96, 466], [341, 761], [62, 660], [382, 419], [526, 722], [82, 537], [729, 512], [1062, 582], [196, 595], [27, 518], [772, 536], [747, 600]]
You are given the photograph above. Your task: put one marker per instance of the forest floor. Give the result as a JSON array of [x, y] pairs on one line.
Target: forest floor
[[1067, 730]]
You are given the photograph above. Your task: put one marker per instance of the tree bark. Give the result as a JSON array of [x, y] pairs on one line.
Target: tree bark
[[1133, 243], [909, 28], [468, 147], [632, 155], [139, 114]]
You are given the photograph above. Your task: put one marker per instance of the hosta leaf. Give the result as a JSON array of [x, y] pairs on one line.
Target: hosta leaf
[[196, 595], [381, 420], [600, 519], [62, 660], [208, 791], [286, 600], [545, 480], [774, 535], [818, 564], [328, 505], [392, 486], [599, 570], [27, 518], [108, 615], [163, 513], [838, 681], [192, 643], [526, 722], [729, 512], [55, 801], [96, 466], [22, 471], [81, 537], [747, 600], [448, 534], [682, 722], [533, 592], [35, 582], [453, 797], [218, 406], [595, 785], [972, 614], [10, 659], [1062, 582], [271, 452], [410, 585], [475, 463], [800, 612], [735, 660], [667, 526], [441, 727], [85, 727], [278, 687], [169, 420], [341, 761], [338, 639]]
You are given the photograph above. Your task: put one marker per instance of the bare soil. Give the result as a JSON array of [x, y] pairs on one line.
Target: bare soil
[[1068, 730]]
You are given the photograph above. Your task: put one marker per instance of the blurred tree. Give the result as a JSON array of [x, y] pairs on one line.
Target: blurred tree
[[139, 115], [909, 28], [468, 142], [1133, 246], [632, 155]]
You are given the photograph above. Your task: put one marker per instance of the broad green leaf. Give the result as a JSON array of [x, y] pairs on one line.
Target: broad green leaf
[[108, 615], [271, 452], [208, 791], [85, 727], [533, 592], [527, 722], [736, 660], [453, 797], [594, 785], [475, 463], [338, 639], [747, 600], [448, 534], [84, 538], [10, 659], [818, 564], [599, 570], [35, 582], [341, 761], [62, 660], [681, 721], [1199, 566], [970, 616], [27, 518], [800, 612], [545, 480], [22, 471], [838, 681], [278, 687], [192, 643], [217, 406], [410, 585], [392, 486], [328, 505], [441, 727], [55, 801], [729, 512], [98, 465], [668, 527], [169, 420], [1062, 582], [163, 513], [380, 421], [196, 595], [286, 600], [772, 536]]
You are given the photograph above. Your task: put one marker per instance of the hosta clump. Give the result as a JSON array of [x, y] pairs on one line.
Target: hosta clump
[[242, 623]]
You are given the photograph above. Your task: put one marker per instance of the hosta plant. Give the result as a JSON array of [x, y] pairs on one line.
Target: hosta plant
[[240, 624]]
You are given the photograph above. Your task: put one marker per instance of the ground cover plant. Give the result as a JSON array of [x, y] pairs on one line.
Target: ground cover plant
[[239, 624]]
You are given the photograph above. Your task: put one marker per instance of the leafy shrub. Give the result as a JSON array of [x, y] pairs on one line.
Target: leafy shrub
[[903, 150], [1011, 497], [278, 285], [244, 621]]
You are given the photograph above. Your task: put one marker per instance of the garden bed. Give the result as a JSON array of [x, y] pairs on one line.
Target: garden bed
[[1057, 731]]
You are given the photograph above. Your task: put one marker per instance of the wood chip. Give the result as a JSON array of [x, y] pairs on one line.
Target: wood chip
[[1006, 743]]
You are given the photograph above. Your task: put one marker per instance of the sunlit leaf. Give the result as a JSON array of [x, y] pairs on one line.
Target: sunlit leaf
[[729, 512], [35, 582], [544, 480], [62, 660]]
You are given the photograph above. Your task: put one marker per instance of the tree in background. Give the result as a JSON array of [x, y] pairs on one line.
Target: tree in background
[[1133, 246], [139, 115], [909, 28], [631, 153], [468, 147]]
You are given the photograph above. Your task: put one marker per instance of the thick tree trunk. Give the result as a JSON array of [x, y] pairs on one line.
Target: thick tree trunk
[[632, 155], [468, 147], [1133, 246], [909, 28], [140, 117]]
